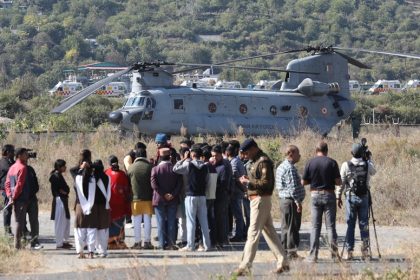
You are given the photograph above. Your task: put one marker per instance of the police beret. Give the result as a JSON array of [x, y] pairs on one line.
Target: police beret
[[247, 144], [357, 150], [161, 138]]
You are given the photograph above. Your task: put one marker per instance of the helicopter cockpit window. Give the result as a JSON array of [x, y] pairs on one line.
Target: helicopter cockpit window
[[148, 103], [179, 104], [134, 102], [243, 109]]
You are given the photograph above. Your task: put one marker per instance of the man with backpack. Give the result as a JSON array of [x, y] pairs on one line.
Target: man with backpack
[[355, 175]]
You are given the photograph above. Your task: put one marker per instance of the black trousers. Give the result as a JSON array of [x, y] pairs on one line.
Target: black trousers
[[7, 214], [290, 225], [32, 211]]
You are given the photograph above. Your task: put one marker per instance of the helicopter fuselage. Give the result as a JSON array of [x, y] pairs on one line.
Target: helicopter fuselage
[[184, 110]]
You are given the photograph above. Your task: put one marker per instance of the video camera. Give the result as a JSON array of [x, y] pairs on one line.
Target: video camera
[[366, 154], [31, 154]]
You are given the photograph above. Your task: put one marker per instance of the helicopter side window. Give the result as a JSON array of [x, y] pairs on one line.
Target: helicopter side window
[[179, 104], [243, 109]]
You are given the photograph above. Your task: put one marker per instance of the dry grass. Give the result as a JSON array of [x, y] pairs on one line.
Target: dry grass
[[14, 261], [394, 188]]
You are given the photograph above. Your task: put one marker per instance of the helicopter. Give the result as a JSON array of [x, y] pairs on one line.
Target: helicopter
[[314, 94]]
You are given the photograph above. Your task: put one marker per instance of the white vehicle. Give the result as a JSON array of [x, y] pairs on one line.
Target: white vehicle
[[354, 86], [66, 88], [384, 86], [412, 84], [113, 89], [230, 85]]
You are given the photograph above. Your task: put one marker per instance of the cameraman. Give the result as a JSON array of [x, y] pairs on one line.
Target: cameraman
[[355, 175], [7, 160], [21, 186]]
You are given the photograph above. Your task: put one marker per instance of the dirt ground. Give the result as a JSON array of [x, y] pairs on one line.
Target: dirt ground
[[395, 245]]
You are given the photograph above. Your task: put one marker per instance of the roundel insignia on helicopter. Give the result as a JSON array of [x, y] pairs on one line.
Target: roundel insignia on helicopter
[[212, 107], [324, 111]]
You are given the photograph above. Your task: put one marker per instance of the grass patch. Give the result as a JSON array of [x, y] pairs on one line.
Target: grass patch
[[17, 261]]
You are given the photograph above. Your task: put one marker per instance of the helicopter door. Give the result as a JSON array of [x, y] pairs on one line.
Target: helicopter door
[[149, 108]]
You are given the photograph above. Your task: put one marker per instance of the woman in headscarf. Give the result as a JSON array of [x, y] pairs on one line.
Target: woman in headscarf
[[120, 204]]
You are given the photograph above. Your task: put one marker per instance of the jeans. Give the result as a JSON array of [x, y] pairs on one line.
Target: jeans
[[166, 222], [290, 225], [195, 207], [323, 203], [357, 208], [236, 207]]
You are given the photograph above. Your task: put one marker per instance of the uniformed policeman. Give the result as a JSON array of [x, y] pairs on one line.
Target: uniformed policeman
[[260, 185]]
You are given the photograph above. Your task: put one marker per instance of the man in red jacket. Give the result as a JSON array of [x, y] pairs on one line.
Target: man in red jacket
[[18, 191]]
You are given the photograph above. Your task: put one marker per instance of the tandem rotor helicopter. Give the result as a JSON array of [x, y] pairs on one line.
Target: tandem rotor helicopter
[[314, 94]]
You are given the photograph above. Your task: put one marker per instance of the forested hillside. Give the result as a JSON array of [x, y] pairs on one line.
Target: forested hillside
[[41, 38]]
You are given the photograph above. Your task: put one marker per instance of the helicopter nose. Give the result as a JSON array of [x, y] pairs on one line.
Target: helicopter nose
[[115, 117]]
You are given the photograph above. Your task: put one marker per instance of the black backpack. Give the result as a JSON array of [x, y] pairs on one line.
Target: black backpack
[[359, 184]]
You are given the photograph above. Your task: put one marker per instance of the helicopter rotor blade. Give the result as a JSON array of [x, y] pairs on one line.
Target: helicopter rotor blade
[[240, 59], [353, 61], [244, 67], [86, 92], [381, 52]]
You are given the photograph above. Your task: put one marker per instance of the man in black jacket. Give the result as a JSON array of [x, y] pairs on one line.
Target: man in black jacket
[[8, 153]]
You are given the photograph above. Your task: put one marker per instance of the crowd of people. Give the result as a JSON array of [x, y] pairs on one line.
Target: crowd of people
[[203, 197]]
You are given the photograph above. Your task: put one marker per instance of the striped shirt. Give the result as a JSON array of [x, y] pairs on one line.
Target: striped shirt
[[288, 182]]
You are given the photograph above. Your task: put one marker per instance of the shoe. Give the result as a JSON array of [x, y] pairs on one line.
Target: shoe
[[148, 246], [36, 246], [171, 248], [186, 249], [240, 272], [65, 246], [182, 244], [284, 268], [349, 256], [8, 232], [90, 255], [136, 246], [294, 256], [366, 255], [129, 225], [237, 239]]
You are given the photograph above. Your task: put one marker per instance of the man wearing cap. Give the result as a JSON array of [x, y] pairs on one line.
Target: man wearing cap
[[195, 200], [260, 185], [322, 173], [291, 193], [162, 141], [18, 191], [7, 160], [166, 187], [355, 175]]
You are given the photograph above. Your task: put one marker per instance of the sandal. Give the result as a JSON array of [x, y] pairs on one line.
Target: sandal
[[81, 256]]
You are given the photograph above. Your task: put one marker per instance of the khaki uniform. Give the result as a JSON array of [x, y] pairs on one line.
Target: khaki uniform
[[260, 189]]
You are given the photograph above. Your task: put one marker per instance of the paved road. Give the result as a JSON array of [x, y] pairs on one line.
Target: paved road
[[154, 264]]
